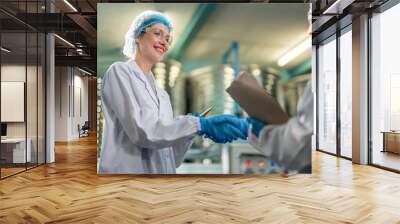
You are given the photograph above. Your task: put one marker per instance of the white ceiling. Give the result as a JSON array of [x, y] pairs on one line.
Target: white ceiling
[[265, 31]]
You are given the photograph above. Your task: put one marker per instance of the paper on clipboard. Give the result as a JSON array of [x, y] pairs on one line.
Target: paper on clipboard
[[255, 100]]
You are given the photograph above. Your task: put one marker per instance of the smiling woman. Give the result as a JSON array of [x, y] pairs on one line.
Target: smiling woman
[[146, 21], [136, 139], [141, 135], [152, 45]]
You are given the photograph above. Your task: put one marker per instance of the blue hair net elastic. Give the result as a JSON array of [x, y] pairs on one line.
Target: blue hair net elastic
[[139, 25]]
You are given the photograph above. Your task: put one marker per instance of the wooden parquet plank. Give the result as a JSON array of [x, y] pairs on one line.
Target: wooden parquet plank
[[70, 191]]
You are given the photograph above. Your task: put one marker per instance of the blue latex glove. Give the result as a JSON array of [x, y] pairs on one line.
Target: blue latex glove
[[256, 125], [223, 128], [243, 127]]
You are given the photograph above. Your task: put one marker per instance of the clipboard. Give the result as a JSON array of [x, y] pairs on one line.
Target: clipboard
[[255, 100]]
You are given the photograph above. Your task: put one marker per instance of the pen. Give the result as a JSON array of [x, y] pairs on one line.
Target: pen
[[206, 111]]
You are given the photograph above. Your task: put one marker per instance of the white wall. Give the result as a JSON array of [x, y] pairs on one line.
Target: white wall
[[13, 73], [70, 83], [61, 103], [79, 117]]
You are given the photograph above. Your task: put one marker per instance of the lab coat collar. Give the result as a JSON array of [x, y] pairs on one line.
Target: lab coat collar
[[135, 69]]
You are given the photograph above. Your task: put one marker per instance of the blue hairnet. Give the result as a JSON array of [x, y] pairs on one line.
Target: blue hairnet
[[140, 24]]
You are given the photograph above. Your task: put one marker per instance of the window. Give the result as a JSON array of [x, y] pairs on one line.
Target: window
[[327, 96], [385, 89], [346, 93]]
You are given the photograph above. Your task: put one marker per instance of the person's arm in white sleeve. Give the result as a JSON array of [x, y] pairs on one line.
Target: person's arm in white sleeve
[[180, 150], [120, 99], [284, 143]]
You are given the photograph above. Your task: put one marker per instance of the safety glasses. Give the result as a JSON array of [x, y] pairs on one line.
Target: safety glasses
[[160, 35]]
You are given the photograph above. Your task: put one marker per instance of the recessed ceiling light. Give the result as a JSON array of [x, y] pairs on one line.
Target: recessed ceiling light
[[64, 40], [84, 71], [5, 50], [70, 5], [294, 52]]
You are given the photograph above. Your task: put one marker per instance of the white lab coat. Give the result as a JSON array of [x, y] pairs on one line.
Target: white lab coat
[[140, 134], [289, 144]]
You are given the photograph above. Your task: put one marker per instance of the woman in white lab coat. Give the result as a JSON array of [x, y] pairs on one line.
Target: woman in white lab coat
[[140, 133]]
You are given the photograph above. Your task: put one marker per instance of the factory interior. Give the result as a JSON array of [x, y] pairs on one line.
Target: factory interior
[[54, 54]]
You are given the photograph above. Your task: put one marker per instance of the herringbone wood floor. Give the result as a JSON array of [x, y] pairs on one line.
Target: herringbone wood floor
[[70, 191]]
